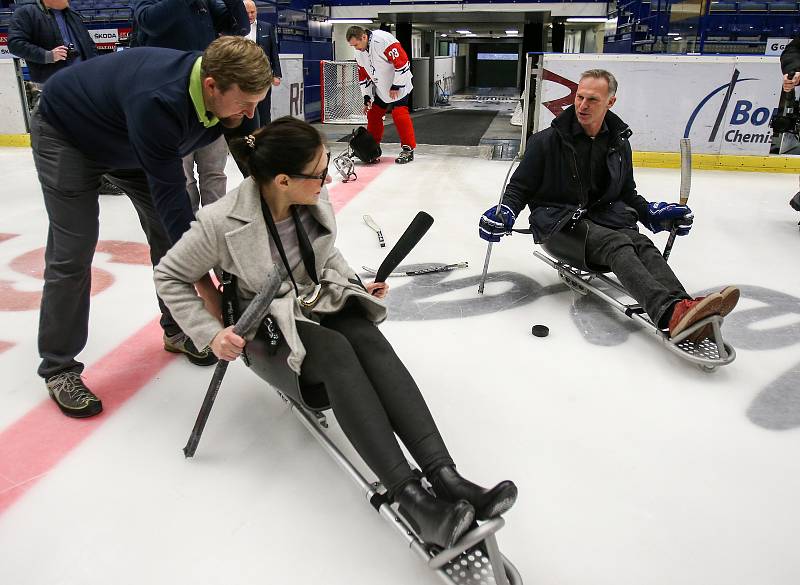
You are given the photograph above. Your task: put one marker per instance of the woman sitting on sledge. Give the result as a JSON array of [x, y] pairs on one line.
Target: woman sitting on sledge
[[327, 320]]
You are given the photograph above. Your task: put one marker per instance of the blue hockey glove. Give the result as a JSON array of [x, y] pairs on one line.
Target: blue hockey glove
[[492, 226], [664, 216]]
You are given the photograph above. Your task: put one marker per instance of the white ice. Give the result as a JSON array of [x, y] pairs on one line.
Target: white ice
[[634, 467]]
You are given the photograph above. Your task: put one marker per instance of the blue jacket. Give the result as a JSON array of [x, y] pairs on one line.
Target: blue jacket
[[33, 33], [132, 110], [187, 25]]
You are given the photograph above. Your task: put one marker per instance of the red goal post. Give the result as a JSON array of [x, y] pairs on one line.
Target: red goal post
[[340, 97]]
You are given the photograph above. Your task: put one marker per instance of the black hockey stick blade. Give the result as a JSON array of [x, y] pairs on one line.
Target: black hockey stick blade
[[413, 234], [252, 315]]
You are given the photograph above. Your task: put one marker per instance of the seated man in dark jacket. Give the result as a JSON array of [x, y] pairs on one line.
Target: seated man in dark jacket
[[131, 116], [580, 170], [49, 36]]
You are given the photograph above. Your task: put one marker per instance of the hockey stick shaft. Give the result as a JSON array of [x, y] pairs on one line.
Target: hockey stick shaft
[[252, 315], [430, 270], [497, 213], [413, 234], [686, 185]]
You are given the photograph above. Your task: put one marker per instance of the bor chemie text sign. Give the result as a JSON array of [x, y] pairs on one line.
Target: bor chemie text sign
[[723, 104]]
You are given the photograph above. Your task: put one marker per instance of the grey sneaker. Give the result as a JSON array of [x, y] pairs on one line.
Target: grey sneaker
[[180, 343], [72, 396]]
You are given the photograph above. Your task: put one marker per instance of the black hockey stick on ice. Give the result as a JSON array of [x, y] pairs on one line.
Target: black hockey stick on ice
[[686, 185], [376, 228], [429, 270], [418, 227], [252, 315]]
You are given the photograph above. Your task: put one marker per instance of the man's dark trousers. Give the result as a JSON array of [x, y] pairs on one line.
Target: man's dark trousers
[[638, 265], [70, 183]]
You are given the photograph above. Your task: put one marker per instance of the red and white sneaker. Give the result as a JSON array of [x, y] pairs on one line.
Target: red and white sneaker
[[689, 311]]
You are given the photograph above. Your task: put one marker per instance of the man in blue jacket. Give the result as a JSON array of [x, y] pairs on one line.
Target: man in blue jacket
[[191, 25], [132, 116], [578, 175], [263, 33], [49, 36]]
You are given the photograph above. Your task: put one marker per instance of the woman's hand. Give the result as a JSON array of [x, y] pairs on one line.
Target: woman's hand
[[211, 296], [226, 345], [377, 289]]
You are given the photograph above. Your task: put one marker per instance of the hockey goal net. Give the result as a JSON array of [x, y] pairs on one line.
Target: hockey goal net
[[341, 98]]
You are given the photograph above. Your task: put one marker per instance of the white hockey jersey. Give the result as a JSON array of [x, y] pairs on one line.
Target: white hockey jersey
[[383, 66]]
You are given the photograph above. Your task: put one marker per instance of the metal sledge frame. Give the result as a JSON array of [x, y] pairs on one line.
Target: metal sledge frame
[[708, 354], [474, 560]]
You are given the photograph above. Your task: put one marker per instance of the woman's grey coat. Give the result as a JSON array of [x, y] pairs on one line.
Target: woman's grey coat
[[231, 234]]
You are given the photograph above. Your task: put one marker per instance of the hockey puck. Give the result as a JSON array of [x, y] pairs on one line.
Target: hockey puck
[[540, 330]]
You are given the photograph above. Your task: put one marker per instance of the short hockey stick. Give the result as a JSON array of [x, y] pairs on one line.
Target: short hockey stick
[[252, 315]]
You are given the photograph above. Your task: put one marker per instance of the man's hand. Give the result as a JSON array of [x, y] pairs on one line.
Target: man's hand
[[664, 216], [226, 345], [367, 103], [393, 93], [276, 81], [377, 289], [59, 53], [790, 83], [492, 225]]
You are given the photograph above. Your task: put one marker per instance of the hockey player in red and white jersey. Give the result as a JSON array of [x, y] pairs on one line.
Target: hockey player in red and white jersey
[[384, 76]]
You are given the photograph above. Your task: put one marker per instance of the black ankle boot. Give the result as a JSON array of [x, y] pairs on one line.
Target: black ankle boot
[[438, 522], [488, 503]]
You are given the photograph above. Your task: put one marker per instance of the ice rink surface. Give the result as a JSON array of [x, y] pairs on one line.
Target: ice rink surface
[[634, 467]]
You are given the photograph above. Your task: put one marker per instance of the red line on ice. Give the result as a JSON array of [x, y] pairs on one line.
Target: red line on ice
[[35, 443]]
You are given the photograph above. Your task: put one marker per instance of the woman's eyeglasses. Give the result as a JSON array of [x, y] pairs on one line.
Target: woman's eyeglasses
[[321, 177]]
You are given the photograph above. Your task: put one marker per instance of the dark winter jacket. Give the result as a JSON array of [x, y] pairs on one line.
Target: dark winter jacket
[[549, 183], [187, 25], [790, 58], [132, 110], [268, 41], [33, 33]]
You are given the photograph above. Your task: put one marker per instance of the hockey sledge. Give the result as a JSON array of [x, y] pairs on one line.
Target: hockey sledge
[[564, 251]]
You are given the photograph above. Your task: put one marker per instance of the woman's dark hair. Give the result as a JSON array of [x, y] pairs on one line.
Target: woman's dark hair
[[286, 145]]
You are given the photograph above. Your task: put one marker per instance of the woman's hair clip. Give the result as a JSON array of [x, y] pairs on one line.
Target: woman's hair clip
[[251, 141]]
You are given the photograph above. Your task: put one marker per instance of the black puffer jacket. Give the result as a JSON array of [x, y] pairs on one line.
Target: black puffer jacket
[[33, 33], [547, 180], [790, 58]]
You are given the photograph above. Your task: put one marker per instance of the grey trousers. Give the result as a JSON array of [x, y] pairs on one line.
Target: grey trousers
[[639, 266], [70, 183], [211, 181]]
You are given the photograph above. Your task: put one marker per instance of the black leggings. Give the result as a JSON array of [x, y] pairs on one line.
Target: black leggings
[[372, 394]]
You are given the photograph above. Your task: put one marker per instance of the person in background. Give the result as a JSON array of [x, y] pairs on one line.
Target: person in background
[[384, 76], [49, 36], [191, 25], [790, 66], [264, 35]]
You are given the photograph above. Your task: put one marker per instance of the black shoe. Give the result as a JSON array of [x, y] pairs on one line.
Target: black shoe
[[795, 201], [488, 503], [406, 155], [181, 343], [72, 396], [436, 521]]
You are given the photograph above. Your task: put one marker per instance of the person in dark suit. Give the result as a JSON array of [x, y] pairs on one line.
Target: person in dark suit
[[263, 33]]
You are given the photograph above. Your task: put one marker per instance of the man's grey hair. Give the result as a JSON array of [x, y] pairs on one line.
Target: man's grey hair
[[603, 74]]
